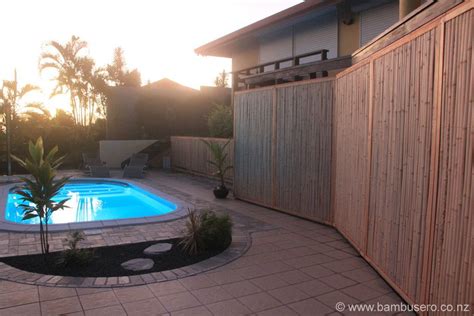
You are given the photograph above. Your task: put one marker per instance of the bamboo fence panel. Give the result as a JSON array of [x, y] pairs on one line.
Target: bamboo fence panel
[[253, 175], [401, 146], [302, 158], [452, 265], [402, 156], [192, 155], [351, 141]]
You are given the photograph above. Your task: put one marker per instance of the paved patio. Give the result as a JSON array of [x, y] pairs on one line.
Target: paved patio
[[293, 267]]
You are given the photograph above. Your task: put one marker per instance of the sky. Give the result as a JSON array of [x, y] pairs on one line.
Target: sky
[[157, 36]]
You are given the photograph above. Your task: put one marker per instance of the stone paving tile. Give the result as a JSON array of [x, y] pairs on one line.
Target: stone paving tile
[[22, 310], [150, 306], [338, 254], [302, 251], [90, 290], [164, 288], [18, 298], [269, 282], [115, 310], [294, 276], [288, 294], [279, 311], [229, 308], [337, 281], [361, 292], [178, 301], [251, 272], [51, 293], [314, 288], [197, 282], [223, 277], [390, 298], [310, 307], [275, 267], [98, 300], [259, 302], [361, 275], [61, 306], [317, 271], [241, 288], [132, 294], [306, 261], [8, 287], [211, 295], [331, 298], [194, 311], [379, 285]]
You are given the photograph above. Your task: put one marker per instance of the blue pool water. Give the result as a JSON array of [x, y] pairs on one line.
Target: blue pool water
[[96, 201]]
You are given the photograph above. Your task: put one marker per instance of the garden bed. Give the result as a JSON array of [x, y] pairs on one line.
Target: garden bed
[[106, 261]]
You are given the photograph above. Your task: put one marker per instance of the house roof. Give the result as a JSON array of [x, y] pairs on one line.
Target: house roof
[[220, 46], [167, 83]]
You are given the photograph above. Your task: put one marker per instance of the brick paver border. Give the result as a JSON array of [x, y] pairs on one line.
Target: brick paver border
[[241, 242]]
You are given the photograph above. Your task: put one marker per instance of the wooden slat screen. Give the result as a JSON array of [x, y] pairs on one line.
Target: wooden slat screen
[[400, 164], [452, 264], [303, 149], [192, 155], [351, 188], [253, 173], [283, 148], [420, 136]]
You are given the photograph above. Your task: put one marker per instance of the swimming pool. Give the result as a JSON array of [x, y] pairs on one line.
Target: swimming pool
[[98, 201]]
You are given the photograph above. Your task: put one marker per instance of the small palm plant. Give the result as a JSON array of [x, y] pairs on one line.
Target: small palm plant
[[190, 241], [220, 164], [38, 193]]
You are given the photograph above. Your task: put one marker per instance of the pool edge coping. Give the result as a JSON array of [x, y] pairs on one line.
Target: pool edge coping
[[179, 213]]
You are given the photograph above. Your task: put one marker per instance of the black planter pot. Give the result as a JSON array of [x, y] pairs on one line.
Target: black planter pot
[[221, 192]]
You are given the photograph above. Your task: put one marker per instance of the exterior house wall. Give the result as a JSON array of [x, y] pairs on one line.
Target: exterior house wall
[[313, 32], [246, 57], [318, 32], [376, 20], [276, 45], [349, 36]]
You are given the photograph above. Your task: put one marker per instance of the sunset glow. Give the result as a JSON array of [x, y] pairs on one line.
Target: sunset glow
[[158, 37]]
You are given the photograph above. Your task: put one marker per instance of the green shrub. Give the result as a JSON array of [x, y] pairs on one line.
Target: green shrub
[[206, 231], [220, 121], [216, 231], [75, 256]]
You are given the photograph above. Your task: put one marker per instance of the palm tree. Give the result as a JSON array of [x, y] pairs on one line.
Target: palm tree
[[119, 75], [10, 95], [36, 109], [65, 61]]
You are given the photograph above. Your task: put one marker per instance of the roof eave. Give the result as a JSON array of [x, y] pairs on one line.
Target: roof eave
[[215, 47]]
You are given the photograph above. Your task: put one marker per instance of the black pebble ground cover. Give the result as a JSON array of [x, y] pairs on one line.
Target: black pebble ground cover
[[106, 261]]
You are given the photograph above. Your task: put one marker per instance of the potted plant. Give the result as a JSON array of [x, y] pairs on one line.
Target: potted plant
[[220, 164], [37, 194]]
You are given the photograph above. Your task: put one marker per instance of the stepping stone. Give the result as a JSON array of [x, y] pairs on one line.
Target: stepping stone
[[138, 264], [157, 249]]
